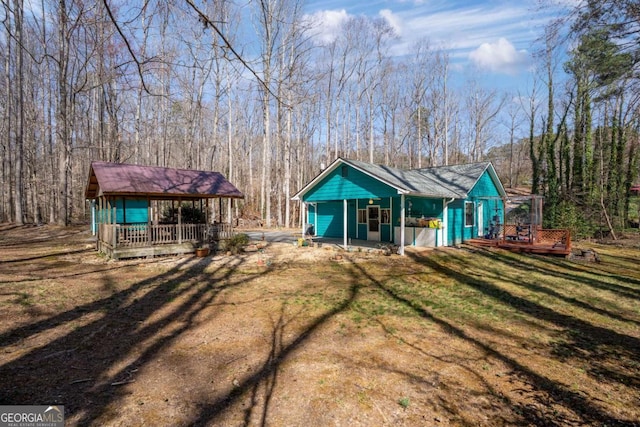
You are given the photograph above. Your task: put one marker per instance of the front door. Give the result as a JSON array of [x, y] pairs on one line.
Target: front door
[[480, 219], [373, 221]]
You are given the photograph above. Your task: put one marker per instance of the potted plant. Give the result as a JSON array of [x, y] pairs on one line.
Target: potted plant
[[202, 251]]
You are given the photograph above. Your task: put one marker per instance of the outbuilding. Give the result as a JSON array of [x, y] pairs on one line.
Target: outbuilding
[[431, 207], [150, 210]]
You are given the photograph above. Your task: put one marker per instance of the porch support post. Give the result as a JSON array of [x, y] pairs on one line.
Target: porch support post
[[445, 222], [93, 217], [401, 224], [390, 219], [303, 221], [357, 228], [344, 220]]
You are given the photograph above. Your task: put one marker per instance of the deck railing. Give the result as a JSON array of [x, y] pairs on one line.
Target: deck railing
[[140, 235], [554, 237], [528, 234]]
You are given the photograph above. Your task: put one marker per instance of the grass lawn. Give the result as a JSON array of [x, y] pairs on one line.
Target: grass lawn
[[296, 337]]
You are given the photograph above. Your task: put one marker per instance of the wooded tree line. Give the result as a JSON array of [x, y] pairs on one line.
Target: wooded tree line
[[182, 84]]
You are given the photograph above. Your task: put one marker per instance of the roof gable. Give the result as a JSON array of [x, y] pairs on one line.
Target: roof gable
[[125, 179]]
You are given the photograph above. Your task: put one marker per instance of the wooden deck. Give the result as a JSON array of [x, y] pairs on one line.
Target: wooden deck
[[539, 241]]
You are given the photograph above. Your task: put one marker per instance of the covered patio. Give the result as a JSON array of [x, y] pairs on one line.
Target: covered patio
[[140, 211]]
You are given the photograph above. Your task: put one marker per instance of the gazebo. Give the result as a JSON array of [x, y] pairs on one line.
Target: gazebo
[[147, 210]]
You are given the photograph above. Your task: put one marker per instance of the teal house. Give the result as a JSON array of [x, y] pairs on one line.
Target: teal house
[[429, 207]]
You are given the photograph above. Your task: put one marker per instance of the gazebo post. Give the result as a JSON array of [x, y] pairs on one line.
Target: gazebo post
[[179, 220], [149, 220]]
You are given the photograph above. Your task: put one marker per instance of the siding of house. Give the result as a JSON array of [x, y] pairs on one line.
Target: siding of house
[[485, 192], [311, 217], [330, 219], [456, 230], [484, 187], [356, 185]]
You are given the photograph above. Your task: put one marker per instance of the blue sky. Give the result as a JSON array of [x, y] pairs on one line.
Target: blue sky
[[491, 40]]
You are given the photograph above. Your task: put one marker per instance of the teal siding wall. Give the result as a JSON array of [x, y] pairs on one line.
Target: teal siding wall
[[352, 219], [427, 208], [356, 185], [330, 219], [311, 217], [484, 193], [136, 211], [385, 233], [456, 228], [485, 187], [362, 231]]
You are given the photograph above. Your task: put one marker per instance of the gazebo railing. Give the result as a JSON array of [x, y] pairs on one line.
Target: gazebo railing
[[140, 235]]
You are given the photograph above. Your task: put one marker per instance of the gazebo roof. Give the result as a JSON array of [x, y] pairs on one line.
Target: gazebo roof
[[121, 179]]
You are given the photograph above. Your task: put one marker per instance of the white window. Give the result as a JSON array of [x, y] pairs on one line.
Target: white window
[[362, 216]]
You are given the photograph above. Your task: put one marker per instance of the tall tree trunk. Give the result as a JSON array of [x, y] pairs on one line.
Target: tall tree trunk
[[62, 117], [19, 145], [8, 118]]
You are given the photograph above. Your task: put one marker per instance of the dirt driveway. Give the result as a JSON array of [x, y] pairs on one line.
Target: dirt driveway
[[316, 337]]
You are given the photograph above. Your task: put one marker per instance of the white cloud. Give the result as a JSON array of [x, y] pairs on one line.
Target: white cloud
[[501, 57], [327, 23], [394, 20]]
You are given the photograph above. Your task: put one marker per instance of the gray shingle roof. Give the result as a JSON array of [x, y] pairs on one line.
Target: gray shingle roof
[[125, 179], [442, 181]]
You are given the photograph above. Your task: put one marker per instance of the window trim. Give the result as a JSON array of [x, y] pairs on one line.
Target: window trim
[[473, 213], [385, 215], [362, 212]]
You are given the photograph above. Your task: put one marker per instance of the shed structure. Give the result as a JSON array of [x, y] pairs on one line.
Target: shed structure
[[149, 210], [437, 206]]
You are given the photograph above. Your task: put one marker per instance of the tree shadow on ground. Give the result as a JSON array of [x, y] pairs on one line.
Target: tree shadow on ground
[[494, 268], [103, 343], [592, 338], [259, 386], [595, 346], [265, 376], [593, 276]]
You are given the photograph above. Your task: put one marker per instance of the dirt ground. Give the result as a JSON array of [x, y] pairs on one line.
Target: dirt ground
[[316, 337]]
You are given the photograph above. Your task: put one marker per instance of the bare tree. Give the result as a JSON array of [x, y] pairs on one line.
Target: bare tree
[[483, 107]]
